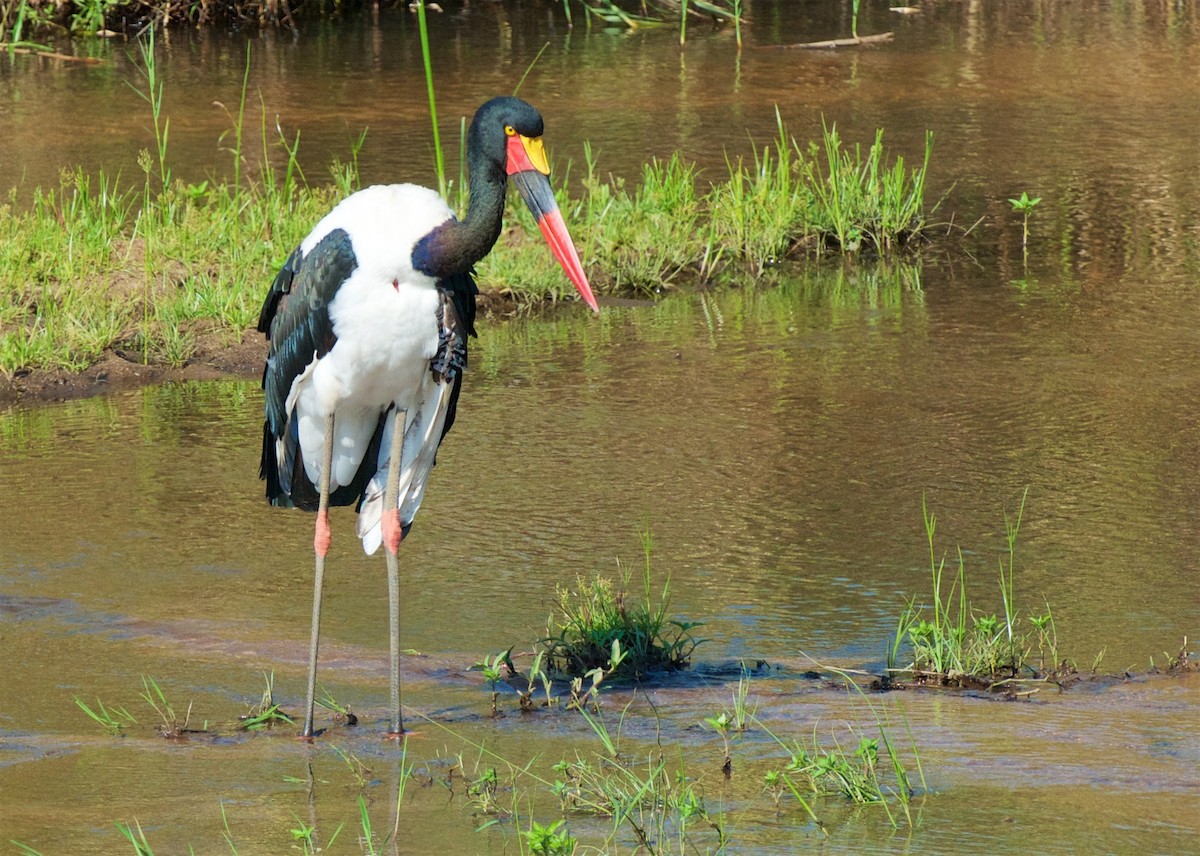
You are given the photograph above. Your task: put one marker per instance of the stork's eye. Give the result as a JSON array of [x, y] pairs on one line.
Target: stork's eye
[[510, 130]]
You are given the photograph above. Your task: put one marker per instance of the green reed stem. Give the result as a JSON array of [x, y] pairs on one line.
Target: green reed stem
[[439, 157]]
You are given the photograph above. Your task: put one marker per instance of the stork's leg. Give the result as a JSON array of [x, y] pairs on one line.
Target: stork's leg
[[391, 543], [321, 540]]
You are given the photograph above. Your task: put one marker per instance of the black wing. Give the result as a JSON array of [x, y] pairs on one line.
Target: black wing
[[295, 318]]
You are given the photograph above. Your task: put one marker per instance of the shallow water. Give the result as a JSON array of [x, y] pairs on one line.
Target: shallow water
[[778, 441]]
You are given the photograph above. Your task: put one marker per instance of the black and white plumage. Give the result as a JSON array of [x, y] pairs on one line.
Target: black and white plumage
[[356, 330], [368, 323]]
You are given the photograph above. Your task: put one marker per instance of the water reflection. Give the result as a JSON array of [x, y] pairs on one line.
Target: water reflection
[[778, 440]]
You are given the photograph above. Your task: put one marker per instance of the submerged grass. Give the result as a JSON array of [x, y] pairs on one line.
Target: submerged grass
[[602, 795], [151, 270]]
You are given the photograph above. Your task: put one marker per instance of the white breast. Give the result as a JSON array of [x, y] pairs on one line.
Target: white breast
[[385, 320]]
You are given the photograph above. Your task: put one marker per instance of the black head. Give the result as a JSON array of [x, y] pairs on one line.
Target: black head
[[486, 135], [504, 139]]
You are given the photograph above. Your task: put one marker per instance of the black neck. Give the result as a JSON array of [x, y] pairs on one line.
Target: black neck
[[455, 246]]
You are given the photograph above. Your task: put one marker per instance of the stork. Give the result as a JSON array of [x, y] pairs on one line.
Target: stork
[[368, 322]]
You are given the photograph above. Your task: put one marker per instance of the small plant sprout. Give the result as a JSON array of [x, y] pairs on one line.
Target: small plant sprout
[[491, 669], [537, 674], [170, 724], [114, 719], [360, 771], [580, 698], [341, 712], [266, 713], [742, 711], [720, 724], [304, 834], [1025, 205], [774, 784], [483, 790], [1047, 638], [550, 840]]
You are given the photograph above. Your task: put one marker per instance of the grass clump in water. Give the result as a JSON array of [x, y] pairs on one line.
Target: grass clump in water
[[761, 213], [861, 776], [597, 618], [113, 719], [955, 644], [860, 202]]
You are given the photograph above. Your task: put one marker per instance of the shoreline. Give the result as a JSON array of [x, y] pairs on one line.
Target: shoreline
[[215, 358]]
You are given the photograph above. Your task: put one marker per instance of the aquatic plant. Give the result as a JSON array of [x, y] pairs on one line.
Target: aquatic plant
[[1025, 205], [113, 720], [600, 627], [170, 724], [735, 720], [760, 214], [358, 770], [721, 724], [663, 808], [827, 769], [858, 200], [537, 675], [341, 712], [141, 847], [491, 669], [646, 240], [955, 643], [267, 712], [549, 840]]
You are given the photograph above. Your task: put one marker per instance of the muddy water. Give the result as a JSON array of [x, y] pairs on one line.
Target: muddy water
[[778, 442]]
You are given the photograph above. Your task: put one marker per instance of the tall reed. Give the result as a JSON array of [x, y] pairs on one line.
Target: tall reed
[[439, 157]]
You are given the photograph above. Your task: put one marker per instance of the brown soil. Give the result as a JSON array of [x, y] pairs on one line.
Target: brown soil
[[215, 359]]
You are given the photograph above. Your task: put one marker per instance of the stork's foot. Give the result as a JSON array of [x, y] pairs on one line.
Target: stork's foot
[[392, 531]]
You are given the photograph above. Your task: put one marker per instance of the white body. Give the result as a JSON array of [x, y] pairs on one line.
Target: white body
[[385, 319]]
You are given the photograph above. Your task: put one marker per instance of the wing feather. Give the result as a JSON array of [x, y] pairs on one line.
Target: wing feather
[[295, 318]]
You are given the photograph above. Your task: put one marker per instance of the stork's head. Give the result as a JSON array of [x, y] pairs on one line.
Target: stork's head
[[508, 132]]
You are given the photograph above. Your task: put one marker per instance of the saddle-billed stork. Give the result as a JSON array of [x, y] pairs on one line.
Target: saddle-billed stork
[[368, 323]]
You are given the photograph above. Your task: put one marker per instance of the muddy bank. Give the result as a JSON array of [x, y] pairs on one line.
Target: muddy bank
[[216, 358]]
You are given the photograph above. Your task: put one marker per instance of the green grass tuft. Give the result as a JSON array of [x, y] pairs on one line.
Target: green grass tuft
[[953, 642], [596, 615]]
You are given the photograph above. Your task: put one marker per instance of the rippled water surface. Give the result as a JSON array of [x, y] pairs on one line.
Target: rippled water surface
[[777, 439]]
